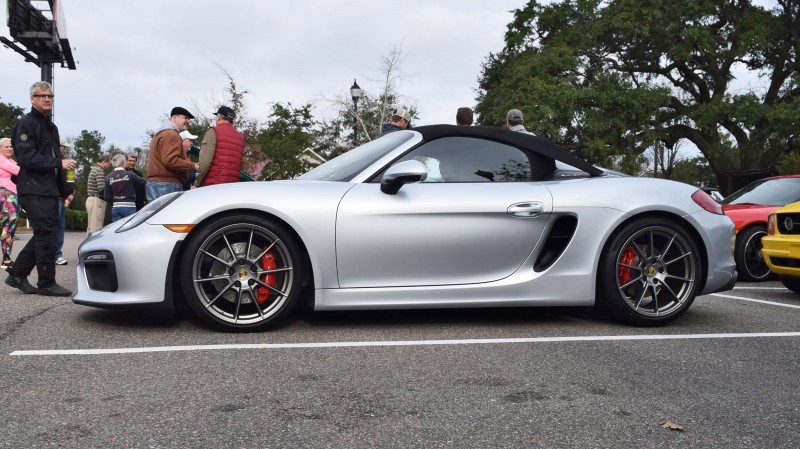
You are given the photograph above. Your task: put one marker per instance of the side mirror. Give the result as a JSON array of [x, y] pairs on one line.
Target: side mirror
[[405, 172]]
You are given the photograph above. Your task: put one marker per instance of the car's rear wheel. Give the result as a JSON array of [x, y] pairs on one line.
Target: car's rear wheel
[[241, 273], [749, 263], [649, 272], [792, 283]]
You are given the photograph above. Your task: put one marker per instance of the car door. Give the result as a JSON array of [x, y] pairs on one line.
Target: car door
[[476, 219]]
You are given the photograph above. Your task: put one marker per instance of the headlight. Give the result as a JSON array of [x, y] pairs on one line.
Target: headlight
[[148, 211]]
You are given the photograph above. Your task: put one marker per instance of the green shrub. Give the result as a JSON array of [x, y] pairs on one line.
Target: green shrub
[[77, 220]]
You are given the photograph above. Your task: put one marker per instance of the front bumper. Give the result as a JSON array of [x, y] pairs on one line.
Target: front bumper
[[127, 268], [782, 254]]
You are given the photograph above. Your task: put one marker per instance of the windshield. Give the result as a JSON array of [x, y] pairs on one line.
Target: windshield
[[343, 168], [767, 192]]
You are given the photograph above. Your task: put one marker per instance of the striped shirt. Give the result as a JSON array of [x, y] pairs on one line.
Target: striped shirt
[[96, 183]]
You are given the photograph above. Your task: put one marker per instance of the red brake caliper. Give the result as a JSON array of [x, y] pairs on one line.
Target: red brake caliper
[[267, 263], [628, 258]]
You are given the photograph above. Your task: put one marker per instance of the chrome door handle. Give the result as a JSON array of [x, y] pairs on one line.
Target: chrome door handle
[[531, 209]]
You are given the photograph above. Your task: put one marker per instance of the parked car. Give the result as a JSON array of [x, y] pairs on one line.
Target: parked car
[[749, 208], [713, 192], [781, 245], [439, 216]]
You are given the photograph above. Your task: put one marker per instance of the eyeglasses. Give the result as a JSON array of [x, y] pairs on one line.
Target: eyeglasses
[[43, 96]]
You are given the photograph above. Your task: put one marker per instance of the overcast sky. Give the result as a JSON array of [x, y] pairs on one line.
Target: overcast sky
[[138, 59]]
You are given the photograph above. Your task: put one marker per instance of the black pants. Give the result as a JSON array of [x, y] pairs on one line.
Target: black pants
[[40, 251]]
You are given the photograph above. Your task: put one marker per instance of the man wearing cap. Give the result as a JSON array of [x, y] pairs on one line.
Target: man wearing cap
[[514, 122], [221, 151], [186, 144], [95, 204], [168, 167], [401, 119]]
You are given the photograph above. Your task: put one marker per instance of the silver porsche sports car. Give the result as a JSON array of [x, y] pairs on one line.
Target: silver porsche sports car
[[434, 217]]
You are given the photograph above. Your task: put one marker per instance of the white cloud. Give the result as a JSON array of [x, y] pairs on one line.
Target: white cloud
[[138, 59]]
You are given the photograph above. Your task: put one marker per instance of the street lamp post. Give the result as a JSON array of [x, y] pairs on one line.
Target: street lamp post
[[355, 92]]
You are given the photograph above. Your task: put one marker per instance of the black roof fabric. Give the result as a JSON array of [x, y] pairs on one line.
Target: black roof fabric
[[539, 145]]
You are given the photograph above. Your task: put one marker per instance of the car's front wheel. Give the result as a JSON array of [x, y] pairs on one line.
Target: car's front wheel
[[749, 263], [241, 273], [649, 272]]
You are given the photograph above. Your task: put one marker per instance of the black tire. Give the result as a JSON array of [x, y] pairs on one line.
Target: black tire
[[242, 273], [649, 273], [790, 282], [749, 263]]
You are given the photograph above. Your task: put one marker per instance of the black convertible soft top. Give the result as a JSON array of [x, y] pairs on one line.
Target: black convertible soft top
[[535, 144]]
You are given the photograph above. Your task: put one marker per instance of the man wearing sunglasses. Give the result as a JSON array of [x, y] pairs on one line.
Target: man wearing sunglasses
[[40, 183]]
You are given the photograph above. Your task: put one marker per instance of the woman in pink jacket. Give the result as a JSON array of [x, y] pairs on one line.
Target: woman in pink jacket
[[8, 199]]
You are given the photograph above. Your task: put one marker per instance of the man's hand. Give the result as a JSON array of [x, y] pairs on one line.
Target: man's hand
[[68, 164]]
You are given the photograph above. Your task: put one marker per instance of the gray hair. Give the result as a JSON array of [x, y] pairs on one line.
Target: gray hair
[[3, 140], [41, 85], [119, 160]]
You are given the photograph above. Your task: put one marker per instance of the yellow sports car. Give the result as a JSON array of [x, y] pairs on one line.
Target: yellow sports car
[[781, 246]]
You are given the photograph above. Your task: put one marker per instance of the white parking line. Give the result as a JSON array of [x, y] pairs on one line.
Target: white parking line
[[359, 344], [760, 288], [792, 306]]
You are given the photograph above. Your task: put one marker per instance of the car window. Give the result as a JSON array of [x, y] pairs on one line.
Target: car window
[[346, 166], [467, 159], [768, 192]]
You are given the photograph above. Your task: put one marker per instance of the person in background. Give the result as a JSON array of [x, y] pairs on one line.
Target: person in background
[[221, 151], [8, 200], [514, 122], [141, 194], [464, 117], [95, 204], [401, 119], [168, 167], [186, 144], [63, 204], [120, 189], [39, 185]]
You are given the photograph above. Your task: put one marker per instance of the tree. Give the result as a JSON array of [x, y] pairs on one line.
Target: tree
[[617, 76], [282, 142], [9, 114], [86, 149], [335, 136]]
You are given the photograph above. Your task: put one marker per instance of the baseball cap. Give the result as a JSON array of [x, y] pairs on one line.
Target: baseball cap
[[514, 114], [187, 135], [226, 112]]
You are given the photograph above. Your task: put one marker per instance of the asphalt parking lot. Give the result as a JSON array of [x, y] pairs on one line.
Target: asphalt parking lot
[[726, 373]]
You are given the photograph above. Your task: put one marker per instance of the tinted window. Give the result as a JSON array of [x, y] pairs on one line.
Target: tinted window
[[467, 159], [768, 192]]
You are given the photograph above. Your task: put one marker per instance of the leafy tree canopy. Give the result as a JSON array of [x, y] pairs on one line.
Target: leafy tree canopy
[[9, 114], [287, 135], [614, 77]]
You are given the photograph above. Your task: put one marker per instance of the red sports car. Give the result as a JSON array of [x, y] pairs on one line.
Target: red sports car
[[749, 208]]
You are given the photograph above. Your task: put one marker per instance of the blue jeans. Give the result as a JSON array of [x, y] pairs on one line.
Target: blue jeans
[[156, 189], [62, 222], [118, 213]]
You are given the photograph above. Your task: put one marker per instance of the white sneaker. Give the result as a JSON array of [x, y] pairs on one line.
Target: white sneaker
[[61, 261]]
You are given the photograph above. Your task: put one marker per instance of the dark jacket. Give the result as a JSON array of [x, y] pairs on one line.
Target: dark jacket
[[36, 141], [120, 187], [389, 128]]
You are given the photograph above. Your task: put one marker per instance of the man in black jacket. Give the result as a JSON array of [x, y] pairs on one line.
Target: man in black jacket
[[39, 185]]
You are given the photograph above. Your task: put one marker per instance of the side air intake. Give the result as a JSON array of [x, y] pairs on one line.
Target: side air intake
[[557, 239]]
